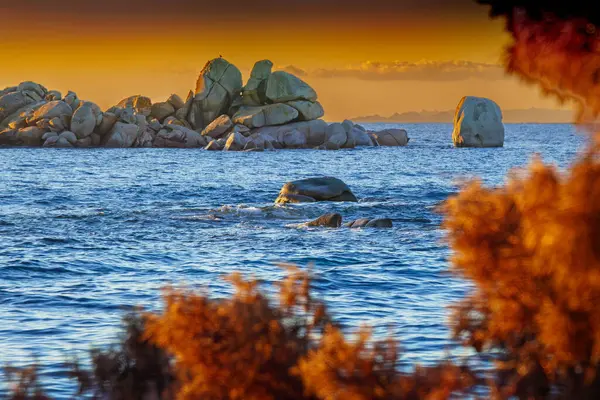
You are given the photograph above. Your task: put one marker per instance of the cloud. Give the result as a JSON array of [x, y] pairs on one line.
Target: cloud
[[402, 70]]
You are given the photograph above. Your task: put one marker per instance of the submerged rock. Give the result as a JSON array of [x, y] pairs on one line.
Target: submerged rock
[[370, 223], [317, 189], [478, 123]]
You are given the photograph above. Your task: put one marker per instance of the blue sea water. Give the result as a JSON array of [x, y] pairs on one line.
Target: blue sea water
[[86, 234]]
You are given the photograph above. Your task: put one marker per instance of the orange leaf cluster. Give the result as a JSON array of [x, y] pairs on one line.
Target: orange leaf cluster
[[533, 250], [244, 347]]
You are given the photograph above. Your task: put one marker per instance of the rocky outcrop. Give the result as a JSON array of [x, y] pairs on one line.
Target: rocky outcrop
[[478, 123], [315, 189], [274, 110]]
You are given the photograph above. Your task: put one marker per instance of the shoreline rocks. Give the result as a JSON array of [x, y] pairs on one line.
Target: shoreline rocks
[[273, 110]]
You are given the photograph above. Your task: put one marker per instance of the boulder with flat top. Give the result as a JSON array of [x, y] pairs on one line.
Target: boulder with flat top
[[315, 189]]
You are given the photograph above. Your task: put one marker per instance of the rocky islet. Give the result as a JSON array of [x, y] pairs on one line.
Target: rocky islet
[[273, 110]]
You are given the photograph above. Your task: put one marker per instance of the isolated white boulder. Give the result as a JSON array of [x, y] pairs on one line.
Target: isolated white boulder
[[478, 123]]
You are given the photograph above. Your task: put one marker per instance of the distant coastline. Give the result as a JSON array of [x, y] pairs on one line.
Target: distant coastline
[[515, 116]]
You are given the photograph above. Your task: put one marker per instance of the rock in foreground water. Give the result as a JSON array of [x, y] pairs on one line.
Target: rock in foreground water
[[315, 189], [332, 220], [370, 223]]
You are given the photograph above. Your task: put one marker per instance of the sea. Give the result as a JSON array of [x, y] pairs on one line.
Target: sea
[[88, 234]]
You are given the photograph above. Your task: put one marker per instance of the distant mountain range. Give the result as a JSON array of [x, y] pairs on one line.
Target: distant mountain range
[[521, 116]]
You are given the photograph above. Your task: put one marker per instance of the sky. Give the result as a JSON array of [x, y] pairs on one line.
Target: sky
[[362, 57]]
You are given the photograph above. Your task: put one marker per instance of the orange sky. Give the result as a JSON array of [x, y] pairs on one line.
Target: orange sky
[[106, 50]]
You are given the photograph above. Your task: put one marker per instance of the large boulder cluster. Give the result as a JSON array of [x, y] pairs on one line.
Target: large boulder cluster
[[273, 110]]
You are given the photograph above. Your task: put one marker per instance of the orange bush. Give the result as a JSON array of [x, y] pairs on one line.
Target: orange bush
[[533, 250]]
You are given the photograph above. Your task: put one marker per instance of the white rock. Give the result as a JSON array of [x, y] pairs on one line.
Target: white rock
[[155, 125], [122, 135], [219, 83], [11, 102], [34, 87], [141, 104], [53, 95], [359, 137], [336, 135], [392, 137], [49, 135], [348, 125], [162, 110], [254, 93], [213, 145], [293, 139], [478, 123], [272, 114], [108, 121], [51, 110], [128, 115], [62, 142], [69, 136], [283, 87], [176, 101], [31, 136], [235, 142], [83, 122], [307, 110], [57, 125], [219, 127], [50, 141]]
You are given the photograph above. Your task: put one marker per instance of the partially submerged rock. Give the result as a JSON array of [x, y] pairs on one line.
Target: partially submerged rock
[[370, 223], [317, 189], [332, 220], [478, 123]]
